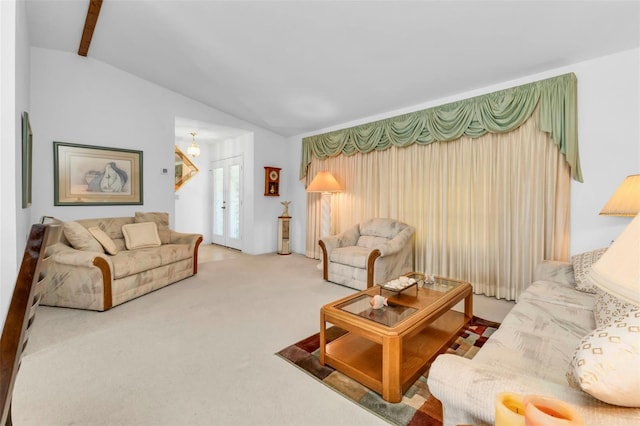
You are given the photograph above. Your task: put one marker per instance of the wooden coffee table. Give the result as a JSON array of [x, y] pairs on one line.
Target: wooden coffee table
[[388, 349]]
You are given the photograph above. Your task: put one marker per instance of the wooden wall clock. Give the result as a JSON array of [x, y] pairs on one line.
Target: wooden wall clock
[[272, 181]]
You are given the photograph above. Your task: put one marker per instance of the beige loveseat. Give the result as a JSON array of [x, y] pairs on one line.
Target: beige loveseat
[[101, 263], [369, 253]]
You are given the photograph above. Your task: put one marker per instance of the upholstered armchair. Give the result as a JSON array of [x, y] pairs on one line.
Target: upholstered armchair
[[371, 252]]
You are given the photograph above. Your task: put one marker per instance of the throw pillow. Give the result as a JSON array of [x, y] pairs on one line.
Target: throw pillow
[[602, 363], [106, 241], [140, 235], [161, 220], [582, 265], [80, 238], [609, 307]]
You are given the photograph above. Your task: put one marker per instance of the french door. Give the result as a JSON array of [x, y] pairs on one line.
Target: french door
[[227, 202]]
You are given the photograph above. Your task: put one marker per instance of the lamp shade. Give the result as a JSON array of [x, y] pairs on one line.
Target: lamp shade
[[324, 182], [618, 270], [626, 200]]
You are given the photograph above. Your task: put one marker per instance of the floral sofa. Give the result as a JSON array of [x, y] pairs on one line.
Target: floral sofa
[[101, 263], [564, 339]]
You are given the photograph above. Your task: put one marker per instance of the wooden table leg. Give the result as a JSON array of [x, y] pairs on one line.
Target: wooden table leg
[[468, 305], [391, 360], [323, 336]]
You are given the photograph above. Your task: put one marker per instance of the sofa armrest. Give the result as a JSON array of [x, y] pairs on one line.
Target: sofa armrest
[[193, 240], [468, 390], [80, 279], [346, 239], [555, 271], [65, 255], [183, 238], [327, 244], [397, 243]]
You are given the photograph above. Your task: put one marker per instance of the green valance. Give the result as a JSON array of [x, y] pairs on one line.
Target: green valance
[[496, 112]]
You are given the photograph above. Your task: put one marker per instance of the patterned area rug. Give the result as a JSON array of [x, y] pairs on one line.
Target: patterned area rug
[[418, 406]]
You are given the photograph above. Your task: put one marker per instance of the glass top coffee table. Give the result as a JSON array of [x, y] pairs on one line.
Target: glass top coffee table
[[388, 349]]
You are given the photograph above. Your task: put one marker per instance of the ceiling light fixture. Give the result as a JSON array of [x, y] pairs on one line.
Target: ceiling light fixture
[[193, 149]]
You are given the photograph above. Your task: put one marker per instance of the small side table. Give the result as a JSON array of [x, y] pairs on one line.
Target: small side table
[[284, 246]]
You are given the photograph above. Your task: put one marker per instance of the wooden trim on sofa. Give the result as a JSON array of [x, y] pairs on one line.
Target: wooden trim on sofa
[[107, 297], [325, 261], [370, 262], [195, 256]]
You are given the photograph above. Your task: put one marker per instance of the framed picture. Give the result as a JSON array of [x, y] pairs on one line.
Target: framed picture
[[27, 160], [185, 169], [93, 175]]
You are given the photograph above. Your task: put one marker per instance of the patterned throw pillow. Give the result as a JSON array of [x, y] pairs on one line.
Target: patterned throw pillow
[[609, 307], [604, 363], [141, 235], [104, 240], [80, 238], [582, 265], [161, 220]]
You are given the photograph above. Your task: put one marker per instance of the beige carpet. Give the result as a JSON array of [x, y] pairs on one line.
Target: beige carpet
[[199, 352]]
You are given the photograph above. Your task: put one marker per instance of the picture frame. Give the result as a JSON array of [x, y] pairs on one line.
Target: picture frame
[[185, 169], [86, 175], [27, 161]]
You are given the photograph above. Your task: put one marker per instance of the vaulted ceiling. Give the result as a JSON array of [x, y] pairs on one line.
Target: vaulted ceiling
[[298, 66]]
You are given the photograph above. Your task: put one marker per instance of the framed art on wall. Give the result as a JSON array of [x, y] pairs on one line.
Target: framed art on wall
[[27, 160], [94, 175]]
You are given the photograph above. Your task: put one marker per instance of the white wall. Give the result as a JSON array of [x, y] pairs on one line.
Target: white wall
[[267, 208], [8, 133], [608, 117], [298, 207], [81, 100], [609, 139], [14, 99], [23, 73]]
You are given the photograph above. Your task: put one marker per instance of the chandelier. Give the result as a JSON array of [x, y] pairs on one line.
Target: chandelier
[[193, 149]]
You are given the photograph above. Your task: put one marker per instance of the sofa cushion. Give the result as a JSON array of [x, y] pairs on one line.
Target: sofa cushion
[[353, 256], [382, 227], [609, 307], [540, 333], [106, 241], [131, 262], [141, 235], [112, 226], [605, 362], [582, 265], [557, 293], [370, 241], [161, 220], [80, 238]]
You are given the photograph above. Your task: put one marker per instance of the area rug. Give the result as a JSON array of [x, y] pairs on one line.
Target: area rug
[[418, 406]]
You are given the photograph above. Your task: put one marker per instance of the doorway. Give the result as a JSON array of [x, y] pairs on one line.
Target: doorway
[[227, 187]]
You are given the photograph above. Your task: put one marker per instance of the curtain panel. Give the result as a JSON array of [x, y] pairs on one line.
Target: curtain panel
[[498, 112], [485, 210]]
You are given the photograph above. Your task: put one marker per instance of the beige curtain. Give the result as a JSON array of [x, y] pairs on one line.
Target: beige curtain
[[486, 210]]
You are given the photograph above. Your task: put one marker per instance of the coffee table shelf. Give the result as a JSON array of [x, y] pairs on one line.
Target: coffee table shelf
[[363, 357], [389, 358]]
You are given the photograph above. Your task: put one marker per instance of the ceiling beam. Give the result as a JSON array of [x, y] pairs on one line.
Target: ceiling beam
[[89, 26]]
